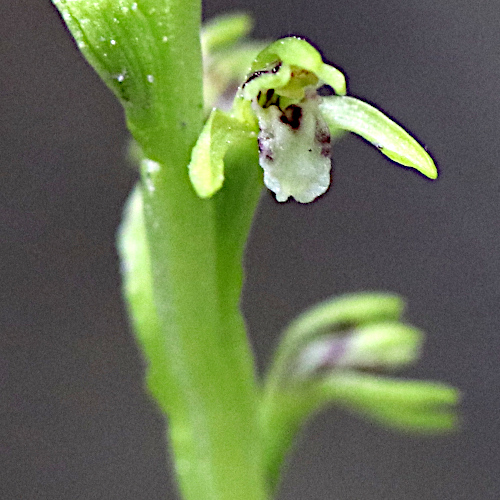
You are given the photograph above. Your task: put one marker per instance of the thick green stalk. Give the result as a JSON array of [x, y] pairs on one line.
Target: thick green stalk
[[213, 423], [184, 292]]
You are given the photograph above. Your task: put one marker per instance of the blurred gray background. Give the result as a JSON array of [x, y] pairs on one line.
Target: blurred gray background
[[75, 420]]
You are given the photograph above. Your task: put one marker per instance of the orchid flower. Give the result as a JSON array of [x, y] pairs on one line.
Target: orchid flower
[[279, 108]]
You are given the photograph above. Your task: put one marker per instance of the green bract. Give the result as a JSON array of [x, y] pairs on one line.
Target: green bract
[[279, 99], [206, 169]]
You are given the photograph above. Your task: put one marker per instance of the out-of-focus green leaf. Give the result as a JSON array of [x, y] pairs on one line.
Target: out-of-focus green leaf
[[225, 30], [138, 291]]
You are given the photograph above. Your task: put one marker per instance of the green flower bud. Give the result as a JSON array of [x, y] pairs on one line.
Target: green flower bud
[[377, 347]]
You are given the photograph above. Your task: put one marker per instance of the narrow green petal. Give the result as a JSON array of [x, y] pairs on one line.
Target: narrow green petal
[[385, 346], [411, 405], [206, 169], [356, 116]]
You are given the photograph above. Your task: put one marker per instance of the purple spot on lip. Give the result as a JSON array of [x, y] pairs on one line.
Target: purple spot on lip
[[336, 350], [322, 136], [264, 150]]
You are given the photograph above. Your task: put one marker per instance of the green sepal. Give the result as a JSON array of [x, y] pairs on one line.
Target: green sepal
[[225, 30], [409, 405], [288, 52], [353, 115], [206, 168]]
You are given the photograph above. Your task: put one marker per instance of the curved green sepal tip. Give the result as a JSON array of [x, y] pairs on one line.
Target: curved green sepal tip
[[290, 50], [353, 115], [206, 168]]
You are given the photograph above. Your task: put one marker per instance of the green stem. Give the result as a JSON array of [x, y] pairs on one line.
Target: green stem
[[213, 412]]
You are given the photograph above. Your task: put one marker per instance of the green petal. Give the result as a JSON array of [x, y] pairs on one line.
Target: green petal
[[348, 113], [206, 169], [271, 76]]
